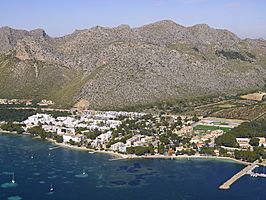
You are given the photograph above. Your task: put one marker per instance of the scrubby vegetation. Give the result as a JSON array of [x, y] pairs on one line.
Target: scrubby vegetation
[[12, 127], [235, 55], [10, 115]]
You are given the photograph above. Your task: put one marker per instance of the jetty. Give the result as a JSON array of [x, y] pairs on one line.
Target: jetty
[[247, 170]]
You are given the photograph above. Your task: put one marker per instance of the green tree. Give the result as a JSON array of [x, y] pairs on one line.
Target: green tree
[[195, 118], [228, 140], [254, 142], [58, 138], [36, 130], [164, 139], [207, 151], [161, 149], [12, 127]]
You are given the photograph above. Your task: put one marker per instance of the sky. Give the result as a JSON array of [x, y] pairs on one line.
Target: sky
[[246, 18]]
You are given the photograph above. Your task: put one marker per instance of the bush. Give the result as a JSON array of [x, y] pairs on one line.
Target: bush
[[232, 55]]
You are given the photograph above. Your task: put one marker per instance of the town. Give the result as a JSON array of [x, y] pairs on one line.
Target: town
[[133, 134]]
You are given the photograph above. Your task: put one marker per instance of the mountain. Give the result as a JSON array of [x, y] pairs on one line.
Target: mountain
[[123, 66]]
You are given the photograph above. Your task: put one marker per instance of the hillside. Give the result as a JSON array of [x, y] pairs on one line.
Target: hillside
[[123, 66]]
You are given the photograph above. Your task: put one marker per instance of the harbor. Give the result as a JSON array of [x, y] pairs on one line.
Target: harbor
[[248, 170]]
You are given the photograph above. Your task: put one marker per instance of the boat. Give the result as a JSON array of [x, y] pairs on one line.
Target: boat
[[13, 178], [83, 173], [52, 148], [51, 188]]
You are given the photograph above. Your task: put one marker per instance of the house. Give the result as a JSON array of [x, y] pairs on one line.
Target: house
[[65, 130], [180, 148], [119, 146], [171, 152], [49, 128], [243, 142], [45, 102], [134, 139], [195, 139], [262, 141], [186, 130], [38, 119], [3, 101], [147, 139], [74, 138], [216, 152], [103, 138]]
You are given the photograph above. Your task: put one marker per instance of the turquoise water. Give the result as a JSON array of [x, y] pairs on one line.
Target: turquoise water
[[78, 175]]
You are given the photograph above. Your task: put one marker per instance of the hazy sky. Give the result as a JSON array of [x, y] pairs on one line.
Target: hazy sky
[[246, 18]]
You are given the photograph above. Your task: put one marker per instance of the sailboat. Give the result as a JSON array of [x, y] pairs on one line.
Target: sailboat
[[13, 178], [51, 188]]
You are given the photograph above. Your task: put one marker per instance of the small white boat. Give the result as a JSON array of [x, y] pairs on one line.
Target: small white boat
[[13, 178], [51, 188], [52, 148], [83, 173]]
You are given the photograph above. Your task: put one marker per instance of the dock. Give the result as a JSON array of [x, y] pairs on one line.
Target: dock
[[247, 170]]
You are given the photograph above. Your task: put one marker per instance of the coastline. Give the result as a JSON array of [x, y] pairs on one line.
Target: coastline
[[193, 157], [64, 145], [119, 156]]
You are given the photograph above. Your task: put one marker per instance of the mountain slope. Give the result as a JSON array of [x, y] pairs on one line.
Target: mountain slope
[[123, 66]]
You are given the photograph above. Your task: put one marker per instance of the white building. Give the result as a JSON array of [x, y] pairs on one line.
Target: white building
[[74, 138], [134, 139], [37, 119], [262, 141], [50, 128], [185, 130], [119, 146], [65, 130], [243, 142]]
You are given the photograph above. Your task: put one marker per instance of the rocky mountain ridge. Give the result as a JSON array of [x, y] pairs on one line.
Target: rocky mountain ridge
[[123, 66]]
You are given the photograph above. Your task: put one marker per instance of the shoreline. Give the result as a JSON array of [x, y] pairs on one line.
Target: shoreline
[[119, 156]]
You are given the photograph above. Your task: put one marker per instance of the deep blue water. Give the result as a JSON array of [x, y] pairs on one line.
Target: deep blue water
[[152, 179]]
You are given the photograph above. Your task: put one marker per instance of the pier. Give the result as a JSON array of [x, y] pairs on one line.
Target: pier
[[247, 170]]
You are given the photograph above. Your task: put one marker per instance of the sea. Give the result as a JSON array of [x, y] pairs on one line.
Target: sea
[[44, 172]]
